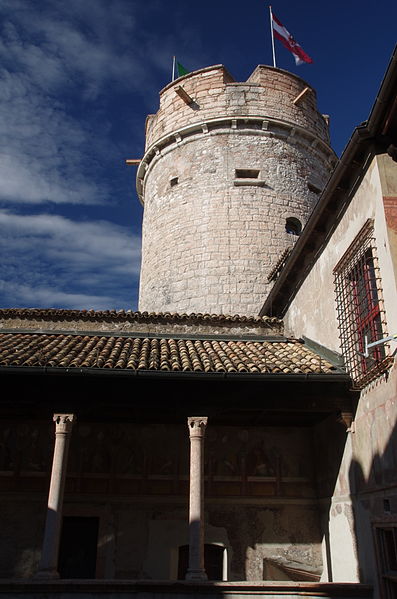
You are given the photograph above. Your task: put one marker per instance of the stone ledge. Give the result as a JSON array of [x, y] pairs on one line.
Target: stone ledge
[[147, 323], [250, 182], [269, 589]]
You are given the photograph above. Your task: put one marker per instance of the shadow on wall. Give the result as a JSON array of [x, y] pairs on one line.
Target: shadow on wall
[[261, 499], [373, 482], [329, 449]]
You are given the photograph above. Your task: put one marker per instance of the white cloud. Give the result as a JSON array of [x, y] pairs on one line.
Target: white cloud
[[71, 75], [48, 297], [63, 64], [54, 63], [50, 260]]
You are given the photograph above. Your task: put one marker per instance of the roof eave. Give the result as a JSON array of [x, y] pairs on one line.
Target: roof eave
[[336, 377]]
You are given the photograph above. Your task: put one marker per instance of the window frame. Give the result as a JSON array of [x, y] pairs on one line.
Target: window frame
[[387, 576], [360, 309]]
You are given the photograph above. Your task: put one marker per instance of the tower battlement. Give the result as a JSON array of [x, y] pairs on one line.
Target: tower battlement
[[268, 91], [227, 165]]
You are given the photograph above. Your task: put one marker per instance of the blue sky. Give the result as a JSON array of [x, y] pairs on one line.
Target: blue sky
[[77, 81]]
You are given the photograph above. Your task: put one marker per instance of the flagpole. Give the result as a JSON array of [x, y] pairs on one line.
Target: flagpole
[[272, 34], [173, 68]]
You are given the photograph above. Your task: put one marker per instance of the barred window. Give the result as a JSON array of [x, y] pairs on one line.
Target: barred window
[[360, 310]]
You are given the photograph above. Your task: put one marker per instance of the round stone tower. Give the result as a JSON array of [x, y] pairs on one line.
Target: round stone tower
[[230, 174]]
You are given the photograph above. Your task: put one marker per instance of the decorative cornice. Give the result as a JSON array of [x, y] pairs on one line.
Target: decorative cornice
[[265, 126]]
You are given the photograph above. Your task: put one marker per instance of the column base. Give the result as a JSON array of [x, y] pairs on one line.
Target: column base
[[46, 574], [196, 575]]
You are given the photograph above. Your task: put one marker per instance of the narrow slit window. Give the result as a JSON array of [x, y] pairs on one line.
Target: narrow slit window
[[174, 181]]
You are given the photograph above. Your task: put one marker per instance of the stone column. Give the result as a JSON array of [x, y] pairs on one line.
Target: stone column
[[196, 569], [49, 556]]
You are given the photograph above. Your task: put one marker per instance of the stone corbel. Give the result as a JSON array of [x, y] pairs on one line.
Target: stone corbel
[[346, 418]]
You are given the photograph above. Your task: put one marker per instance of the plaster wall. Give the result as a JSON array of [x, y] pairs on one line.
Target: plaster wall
[[313, 310], [367, 473], [260, 497], [333, 449], [388, 176], [140, 540]]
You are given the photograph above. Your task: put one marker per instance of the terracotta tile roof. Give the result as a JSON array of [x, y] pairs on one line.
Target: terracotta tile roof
[[288, 356], [122, 315]]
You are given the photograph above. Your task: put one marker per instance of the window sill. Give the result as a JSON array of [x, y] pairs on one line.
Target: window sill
[[250, 182]]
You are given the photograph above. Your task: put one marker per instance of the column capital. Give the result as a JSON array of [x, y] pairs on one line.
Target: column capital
[[197, 425], [63, 422]]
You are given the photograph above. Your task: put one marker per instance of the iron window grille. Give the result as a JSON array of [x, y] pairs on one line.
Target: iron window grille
[[360, 308]]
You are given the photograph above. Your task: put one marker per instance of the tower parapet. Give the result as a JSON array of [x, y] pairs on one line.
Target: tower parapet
[[227, 166]]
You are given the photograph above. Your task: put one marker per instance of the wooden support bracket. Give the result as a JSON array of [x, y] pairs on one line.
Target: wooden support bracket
[[301, 95], [183, 95], [133, 161]]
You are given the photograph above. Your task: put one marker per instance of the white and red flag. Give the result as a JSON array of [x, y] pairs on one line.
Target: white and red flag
[[284, 36]]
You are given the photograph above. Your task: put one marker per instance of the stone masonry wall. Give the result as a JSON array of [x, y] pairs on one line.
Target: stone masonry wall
[[211, 235], [267, 92]]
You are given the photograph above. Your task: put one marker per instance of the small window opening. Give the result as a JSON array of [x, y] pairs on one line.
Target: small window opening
[[246, 173], [293, 226], [174, 181]]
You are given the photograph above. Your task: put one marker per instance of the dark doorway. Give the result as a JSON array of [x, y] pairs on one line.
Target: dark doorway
[[78, 548], [386, 537], [213, 561]]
